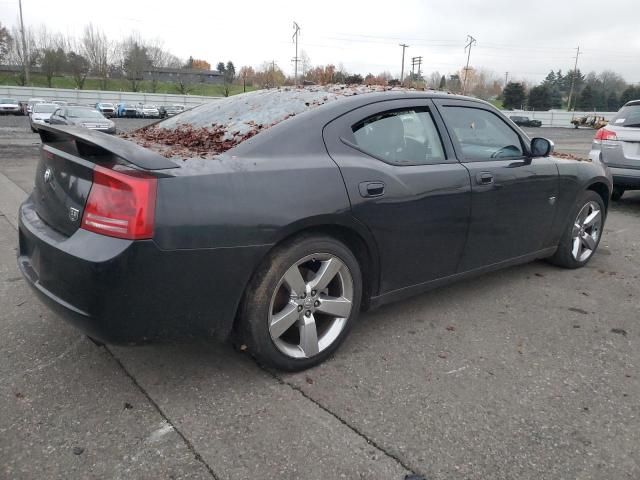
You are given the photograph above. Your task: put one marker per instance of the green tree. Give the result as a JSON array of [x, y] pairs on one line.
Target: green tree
[[630, 93], [220, 68], [586, 99], [52, 62], [79, 68], [135, 63], [612, 102], [443, 83], [540, 98], [513, 95], [230, 71], [355, 79]]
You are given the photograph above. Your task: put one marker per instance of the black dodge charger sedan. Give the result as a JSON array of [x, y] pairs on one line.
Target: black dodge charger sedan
[[275, 217]]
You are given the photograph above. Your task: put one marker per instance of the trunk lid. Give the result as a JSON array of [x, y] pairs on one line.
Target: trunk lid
[[625, 151], [64, 175]]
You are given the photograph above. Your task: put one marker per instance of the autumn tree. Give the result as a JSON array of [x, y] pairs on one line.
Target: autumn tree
[[198, 64]]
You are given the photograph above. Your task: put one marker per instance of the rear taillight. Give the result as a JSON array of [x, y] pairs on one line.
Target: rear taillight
[[604, 134], [121, 204]]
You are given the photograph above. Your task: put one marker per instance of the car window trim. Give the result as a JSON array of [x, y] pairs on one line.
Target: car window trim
[[425, 104], [443, 103]]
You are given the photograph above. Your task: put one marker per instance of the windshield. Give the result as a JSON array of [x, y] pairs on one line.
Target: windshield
[[45, 108], [84, 113], [149, 106], [628, 116], [9, 100]]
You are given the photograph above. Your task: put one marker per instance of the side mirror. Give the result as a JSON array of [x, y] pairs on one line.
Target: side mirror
[[541, 147]]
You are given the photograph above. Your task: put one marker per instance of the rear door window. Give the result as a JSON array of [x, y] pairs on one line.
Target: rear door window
[[400, 137], [481, 135]]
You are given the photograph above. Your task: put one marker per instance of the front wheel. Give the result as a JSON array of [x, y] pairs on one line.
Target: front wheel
[[301, 303], [583, 232]]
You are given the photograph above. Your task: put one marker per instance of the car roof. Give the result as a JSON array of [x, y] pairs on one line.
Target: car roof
[[632, 103]]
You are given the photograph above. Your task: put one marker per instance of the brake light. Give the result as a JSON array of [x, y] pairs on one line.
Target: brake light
[[604, 134], [120, 204]]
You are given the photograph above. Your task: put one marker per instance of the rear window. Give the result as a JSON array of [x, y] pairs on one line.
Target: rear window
[[628, 116], [45, 108], [12, 101]]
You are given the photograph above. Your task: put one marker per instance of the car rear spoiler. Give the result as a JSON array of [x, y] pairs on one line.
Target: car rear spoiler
[[130, 152]]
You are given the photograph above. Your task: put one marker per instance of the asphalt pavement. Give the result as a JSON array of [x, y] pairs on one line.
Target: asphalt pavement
[[528, 373]]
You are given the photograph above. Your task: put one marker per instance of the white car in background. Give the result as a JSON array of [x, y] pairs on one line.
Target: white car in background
[[147, 111], [41, 114], [31, 102], [9, 106]]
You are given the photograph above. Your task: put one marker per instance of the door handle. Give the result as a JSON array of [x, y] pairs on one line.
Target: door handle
[[484, 178], [371, 189]]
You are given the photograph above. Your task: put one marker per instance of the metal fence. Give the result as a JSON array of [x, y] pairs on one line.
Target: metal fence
[[548, 119], [90, 97], [556, 118]]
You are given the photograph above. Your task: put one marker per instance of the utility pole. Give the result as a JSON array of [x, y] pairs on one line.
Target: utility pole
[[471, 41], [25, 53], [296, 33], [404, 46], [573, 80], [416, 61]]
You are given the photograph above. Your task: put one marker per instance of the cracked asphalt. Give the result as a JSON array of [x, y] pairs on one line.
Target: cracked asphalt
[[529, 373]]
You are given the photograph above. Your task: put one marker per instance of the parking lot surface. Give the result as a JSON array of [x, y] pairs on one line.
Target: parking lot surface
[[528, 373]]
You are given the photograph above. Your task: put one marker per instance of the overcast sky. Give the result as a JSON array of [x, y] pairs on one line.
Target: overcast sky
[[527, 39]]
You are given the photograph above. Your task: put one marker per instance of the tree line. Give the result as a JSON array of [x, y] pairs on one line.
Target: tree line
[[604, 91]]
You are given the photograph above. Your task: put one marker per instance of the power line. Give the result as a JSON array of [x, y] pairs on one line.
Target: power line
[[466, 69], [404, 47]]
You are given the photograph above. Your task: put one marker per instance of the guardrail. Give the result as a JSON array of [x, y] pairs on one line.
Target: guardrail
[[556, 118], [90, 97]]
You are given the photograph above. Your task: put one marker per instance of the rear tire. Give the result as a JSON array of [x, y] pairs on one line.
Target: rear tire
[[616, 193], [301, 303], [582, 233]]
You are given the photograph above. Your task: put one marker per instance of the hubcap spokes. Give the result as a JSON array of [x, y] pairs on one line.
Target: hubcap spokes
[[586, 231], [311, 305]]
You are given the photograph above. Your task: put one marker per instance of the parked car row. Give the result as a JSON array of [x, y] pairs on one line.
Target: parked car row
[[139, 110]]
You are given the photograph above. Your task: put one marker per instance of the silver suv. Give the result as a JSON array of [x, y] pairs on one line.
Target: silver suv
[[618, 145]]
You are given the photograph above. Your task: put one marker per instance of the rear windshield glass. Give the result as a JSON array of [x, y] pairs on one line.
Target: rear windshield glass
[[45, 108], [83, 113], [9, 100], [628, 116]]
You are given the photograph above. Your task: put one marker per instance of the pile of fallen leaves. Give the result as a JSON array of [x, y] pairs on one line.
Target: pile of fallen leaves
[[186, 140], [570, 156]]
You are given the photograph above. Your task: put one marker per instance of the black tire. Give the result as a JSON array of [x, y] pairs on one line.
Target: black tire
[[563, 256], [34, 130], [254, 313], [616, 193]]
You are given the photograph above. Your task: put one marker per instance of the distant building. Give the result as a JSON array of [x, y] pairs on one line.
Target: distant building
[[184, 75]]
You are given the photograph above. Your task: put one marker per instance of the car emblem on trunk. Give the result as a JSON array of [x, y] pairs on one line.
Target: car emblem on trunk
[[74, 214], [48, 175]]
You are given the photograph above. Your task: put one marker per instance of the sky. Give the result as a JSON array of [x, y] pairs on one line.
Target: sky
[[526, 39]]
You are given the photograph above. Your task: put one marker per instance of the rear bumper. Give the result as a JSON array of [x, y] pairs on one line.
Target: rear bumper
[[121, 291], [626, 177]]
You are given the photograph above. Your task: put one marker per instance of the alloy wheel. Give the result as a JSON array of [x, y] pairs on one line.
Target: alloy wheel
[[311, 305], [586, 231]]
